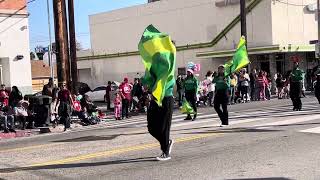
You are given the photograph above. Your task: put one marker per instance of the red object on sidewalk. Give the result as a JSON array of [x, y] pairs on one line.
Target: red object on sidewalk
[[14, 135]]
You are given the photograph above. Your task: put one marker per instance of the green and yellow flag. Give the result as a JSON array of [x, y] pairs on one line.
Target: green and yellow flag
[[186, 108], [159, 58], [240, 58]]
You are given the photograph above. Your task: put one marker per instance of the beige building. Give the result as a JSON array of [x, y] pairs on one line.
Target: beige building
[[15, 67], [205, 31]]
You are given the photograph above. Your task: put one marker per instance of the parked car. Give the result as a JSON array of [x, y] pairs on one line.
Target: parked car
[[98, 94]]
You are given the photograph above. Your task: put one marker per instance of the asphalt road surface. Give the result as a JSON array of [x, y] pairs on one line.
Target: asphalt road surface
[[266, 140]]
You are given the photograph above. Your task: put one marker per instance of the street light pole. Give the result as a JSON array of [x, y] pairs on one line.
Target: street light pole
[[50, 44]]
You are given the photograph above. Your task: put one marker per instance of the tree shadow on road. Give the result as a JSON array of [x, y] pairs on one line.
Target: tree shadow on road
[[77, 165]]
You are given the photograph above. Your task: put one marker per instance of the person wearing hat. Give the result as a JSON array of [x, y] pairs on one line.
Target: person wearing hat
[[190, 86], [317, 87], [221, 96], [125, 92], [296, 78]]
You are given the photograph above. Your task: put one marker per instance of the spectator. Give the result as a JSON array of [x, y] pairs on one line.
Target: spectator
[[21, 112], [253, 78], [137, 93], [125, 91], [244, 85], [211, 86], [233, 86], [261, 85], [15, 97], [108, 90], [117, 106], [179, 83], [7, 118], [4, 96], [64, 101], [317, 88], [280, 85], [48, 89], [268, 82]]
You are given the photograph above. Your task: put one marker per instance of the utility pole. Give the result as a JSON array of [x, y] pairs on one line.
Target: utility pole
[[243, 13], [73, 48], [318, 15], [61, 36], [50, 44]]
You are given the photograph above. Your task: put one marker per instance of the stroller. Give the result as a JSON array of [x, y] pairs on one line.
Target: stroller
[[89, 115]]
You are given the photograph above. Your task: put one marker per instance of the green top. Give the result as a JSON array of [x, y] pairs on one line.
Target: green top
[[191, 84], [297, 75], [222, 83]]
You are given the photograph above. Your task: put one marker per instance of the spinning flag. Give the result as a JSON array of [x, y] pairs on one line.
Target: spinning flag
[[240, 58], [186, 108], [159, 58]]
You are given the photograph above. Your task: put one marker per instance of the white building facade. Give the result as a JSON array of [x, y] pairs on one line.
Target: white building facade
[[205, 32], [15, 67]]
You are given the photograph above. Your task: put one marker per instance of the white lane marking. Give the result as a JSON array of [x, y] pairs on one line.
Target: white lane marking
[[286, 122], [312, 130]]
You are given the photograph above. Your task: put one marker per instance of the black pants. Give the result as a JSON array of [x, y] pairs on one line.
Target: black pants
[[108, 103], [180, 97], [244, 93], [65, 112], [318, 97], [125, 108], [221, 99], [191, 97], [210, 96], [295, 95], [159, 121]]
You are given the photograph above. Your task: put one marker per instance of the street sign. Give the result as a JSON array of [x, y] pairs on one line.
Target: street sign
[[197, 67]]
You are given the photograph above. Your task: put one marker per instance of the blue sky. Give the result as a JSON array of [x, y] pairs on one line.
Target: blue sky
[[38, 24]]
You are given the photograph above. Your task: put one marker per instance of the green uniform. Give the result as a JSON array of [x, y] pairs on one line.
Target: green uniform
[[222, 83], [191, 84]]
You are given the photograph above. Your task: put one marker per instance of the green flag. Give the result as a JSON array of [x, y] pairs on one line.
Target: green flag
[[240, 58], [186, 108], [159, 58]]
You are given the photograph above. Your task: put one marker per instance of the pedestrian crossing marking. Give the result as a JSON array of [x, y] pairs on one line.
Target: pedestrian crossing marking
[[312, 130], [286, 122]]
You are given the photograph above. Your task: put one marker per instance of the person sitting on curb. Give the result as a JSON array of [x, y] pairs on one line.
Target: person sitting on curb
[[7, 118]]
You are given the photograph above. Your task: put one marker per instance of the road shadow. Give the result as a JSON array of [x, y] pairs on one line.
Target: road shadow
[[89, 138], [77, 165], [271, 178]]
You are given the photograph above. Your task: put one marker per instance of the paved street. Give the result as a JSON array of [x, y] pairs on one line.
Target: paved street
[[264, 140]]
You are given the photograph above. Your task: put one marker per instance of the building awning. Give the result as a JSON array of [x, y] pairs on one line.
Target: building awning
[[259, 50]]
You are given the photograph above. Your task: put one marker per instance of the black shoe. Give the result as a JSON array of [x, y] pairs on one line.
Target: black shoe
[[163, 157], [188, 118], [6, 131], [12, 130]]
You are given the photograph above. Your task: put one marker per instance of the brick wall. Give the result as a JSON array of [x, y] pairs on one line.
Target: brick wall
[[12, 4]]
